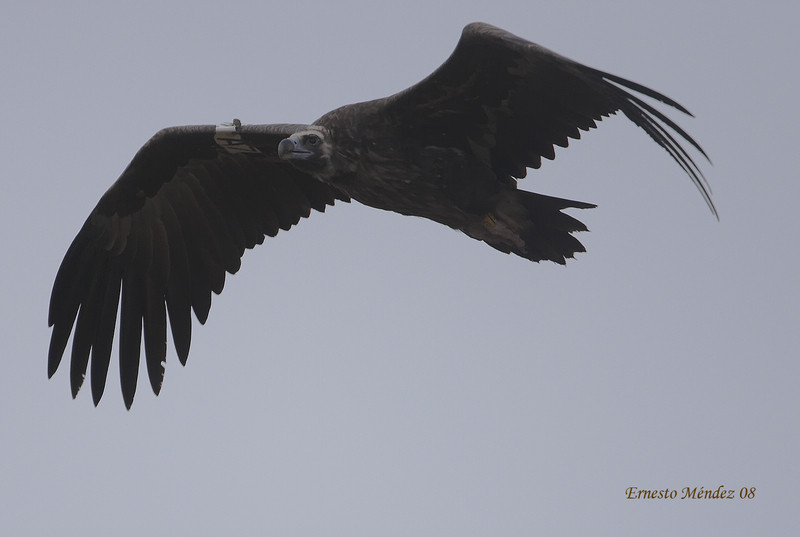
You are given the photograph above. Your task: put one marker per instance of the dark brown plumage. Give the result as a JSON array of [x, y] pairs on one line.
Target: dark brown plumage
[[449, 149]]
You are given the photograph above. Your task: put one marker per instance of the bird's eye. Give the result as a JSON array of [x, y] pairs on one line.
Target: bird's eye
[[312, 139]]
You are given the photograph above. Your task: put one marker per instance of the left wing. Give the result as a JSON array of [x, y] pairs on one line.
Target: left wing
[[511, 101]]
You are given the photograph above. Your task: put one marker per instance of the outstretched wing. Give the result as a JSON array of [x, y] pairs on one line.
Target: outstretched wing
[[514, 100], [162, 238]]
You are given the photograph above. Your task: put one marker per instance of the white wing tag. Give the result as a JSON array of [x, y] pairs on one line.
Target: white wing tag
[[227, 137]]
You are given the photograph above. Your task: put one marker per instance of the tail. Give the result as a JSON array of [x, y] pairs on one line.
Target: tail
[[531, 225]]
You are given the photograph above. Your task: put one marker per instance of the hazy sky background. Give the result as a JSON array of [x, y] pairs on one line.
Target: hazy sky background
[[367, 374]]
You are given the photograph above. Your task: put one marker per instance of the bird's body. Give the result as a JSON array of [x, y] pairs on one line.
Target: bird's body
[[449, 149], [443, 183]]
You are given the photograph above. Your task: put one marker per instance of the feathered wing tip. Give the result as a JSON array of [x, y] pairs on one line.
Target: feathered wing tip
[[657, 125]]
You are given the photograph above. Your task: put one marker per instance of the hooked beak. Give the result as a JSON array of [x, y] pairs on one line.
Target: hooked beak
[[289, 149]]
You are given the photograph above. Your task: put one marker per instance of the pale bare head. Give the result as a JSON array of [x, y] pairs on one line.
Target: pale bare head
[[309, 150]]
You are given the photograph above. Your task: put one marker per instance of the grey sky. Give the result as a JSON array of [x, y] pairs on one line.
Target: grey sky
[[372, 374]]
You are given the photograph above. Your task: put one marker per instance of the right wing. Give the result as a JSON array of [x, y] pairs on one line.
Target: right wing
[[163, 236]]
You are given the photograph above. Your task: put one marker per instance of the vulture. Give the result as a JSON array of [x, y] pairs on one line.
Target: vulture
[[450, 149]]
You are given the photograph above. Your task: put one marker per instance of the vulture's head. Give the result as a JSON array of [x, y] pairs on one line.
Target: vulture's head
[[308, 150]]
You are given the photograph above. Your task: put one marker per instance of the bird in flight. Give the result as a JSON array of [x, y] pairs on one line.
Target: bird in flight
[[450, 148]]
